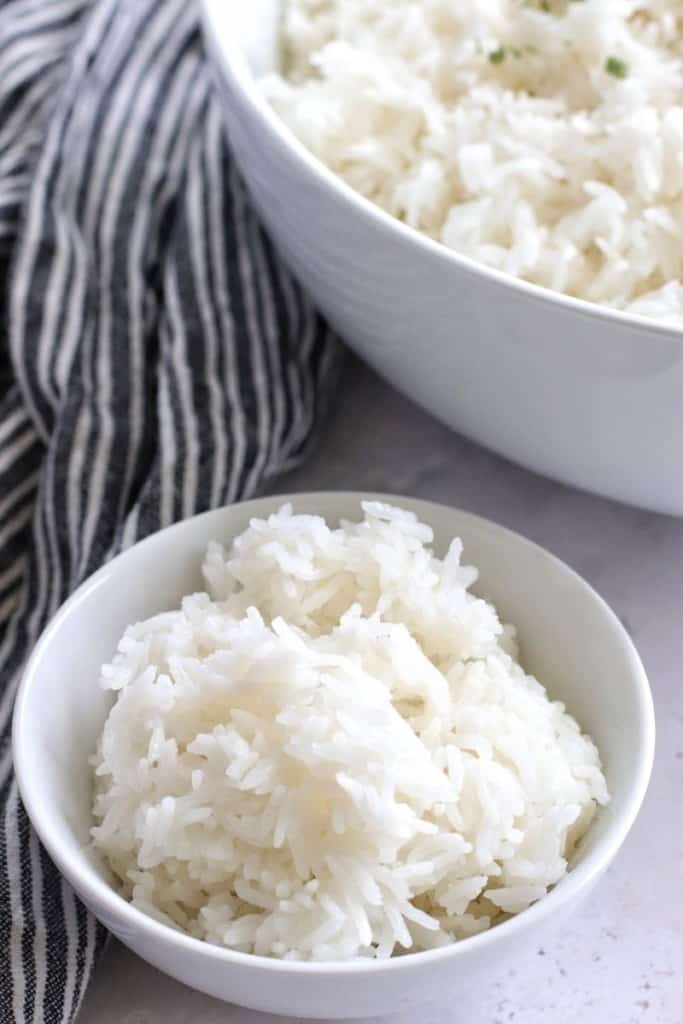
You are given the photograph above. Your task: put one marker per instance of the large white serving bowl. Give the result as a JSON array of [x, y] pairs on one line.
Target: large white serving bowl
[[575, 391], [569, 638]]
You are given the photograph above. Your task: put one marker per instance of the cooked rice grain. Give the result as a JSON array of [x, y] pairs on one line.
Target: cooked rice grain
[[334, 753], [542, 139]]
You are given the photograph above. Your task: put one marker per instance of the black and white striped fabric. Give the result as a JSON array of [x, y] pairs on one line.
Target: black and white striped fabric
[[155, 360]]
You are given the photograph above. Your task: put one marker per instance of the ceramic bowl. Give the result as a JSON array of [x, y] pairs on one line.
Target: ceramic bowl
[[569, 638], [575, 391]]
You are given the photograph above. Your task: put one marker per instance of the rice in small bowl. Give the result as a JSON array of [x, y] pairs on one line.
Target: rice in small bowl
[[567, 636], [333, 752]]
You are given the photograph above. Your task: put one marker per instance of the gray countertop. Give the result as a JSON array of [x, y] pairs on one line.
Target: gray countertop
[[620, 961]]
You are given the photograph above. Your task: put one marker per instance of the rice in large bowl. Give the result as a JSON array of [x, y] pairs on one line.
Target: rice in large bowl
[[334, 753], [544, 139]]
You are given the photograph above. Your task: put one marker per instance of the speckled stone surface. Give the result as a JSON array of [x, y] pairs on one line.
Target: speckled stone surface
[[621, 959]]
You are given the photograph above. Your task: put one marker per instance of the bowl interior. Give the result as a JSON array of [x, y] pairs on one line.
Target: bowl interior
[[569, 638], [252, 30]]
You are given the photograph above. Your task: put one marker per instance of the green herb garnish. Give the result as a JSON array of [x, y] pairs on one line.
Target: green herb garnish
[[616, 67], [497, 56]]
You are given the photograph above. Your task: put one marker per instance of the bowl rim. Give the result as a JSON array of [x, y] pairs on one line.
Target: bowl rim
[[235, 68], [96, 892]]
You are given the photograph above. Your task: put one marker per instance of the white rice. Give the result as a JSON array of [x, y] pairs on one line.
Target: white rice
[[333, 753], [542, 138]]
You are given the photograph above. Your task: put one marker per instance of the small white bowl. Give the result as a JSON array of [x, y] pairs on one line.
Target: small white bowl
[[576, 391], [569, 638]]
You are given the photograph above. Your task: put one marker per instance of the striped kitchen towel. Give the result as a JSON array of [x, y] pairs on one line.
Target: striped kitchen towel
[[155, 360]]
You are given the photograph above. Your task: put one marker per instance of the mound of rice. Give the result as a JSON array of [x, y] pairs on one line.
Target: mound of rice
[[333, 753], [542, 138]]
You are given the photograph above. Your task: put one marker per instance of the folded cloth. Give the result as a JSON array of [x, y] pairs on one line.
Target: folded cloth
[[157, 360]]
